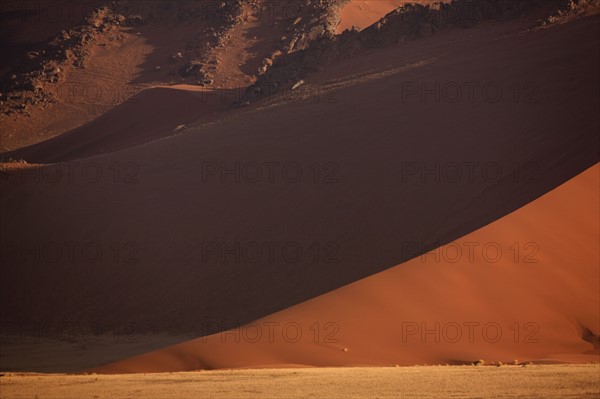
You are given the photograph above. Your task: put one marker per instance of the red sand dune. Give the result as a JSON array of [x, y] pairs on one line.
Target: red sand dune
[[370, 134], [531, 301], [363, 13], [147, 116]]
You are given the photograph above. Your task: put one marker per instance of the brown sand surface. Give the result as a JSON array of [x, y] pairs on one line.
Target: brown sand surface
[[363, 13], [16, 31], [149, 115], [523, 287], [152, 208], [126, 62], [548, 381]]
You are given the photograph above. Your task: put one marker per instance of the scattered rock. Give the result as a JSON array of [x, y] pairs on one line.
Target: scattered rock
[[193, 68], [297, 84], [135, 20], [119, 19], [312, 45]]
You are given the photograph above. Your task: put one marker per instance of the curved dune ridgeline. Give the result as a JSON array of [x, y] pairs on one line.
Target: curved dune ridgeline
[[314, 206], [523, 287]]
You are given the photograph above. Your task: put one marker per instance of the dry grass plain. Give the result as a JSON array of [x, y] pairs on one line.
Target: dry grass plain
[[533, 381]]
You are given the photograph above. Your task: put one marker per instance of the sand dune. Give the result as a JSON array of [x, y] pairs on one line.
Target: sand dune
[[118, 59], [363, 13], [526, 290], [159, 212], [152, 114]]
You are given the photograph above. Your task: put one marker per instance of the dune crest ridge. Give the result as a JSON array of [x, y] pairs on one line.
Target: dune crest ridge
[[532, 301]]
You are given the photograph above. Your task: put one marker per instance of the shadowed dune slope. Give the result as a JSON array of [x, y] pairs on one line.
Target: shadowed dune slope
[[147, 116], [526, 290], [350, 188]]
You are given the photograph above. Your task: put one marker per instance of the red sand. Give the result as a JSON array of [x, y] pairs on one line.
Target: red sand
[[527, 304], [370, 132], [363, 13]]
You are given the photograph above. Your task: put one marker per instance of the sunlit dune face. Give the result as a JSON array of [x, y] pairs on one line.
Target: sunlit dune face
[[221, 198], [487, 287], [363, 13]]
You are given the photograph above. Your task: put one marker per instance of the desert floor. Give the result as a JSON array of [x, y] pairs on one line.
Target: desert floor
[[189, 210], [532, 381]]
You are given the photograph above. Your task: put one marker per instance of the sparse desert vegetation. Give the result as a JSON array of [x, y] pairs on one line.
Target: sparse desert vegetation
[[550, 381]]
